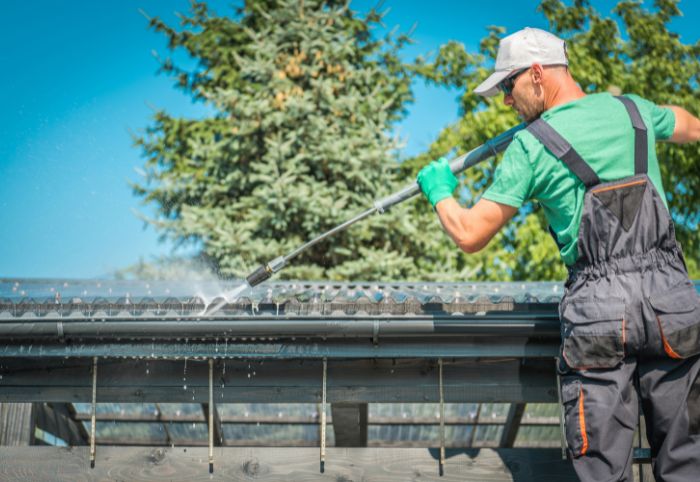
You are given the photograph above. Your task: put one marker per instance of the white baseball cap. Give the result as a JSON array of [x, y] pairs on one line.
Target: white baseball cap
[[520, 50]]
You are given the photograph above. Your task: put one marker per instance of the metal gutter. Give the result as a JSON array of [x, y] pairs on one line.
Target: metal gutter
[[516, 324]]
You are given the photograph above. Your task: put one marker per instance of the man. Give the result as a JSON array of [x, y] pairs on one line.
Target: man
[[630, 316]]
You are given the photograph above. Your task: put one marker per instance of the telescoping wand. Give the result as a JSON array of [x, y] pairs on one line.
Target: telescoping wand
[[488, 149]]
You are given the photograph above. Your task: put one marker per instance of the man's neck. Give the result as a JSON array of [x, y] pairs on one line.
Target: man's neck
[[562, 92]]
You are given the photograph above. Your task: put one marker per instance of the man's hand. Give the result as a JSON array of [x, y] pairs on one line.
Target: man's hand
[[437, 181]]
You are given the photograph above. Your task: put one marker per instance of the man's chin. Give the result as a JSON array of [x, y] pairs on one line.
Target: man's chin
[[530, 118], [527, 117]]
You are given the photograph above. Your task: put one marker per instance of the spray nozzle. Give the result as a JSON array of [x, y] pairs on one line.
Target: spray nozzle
[[266, 271]]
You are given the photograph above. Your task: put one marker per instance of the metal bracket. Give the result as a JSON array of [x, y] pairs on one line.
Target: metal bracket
[[323, 417], [211, 415], [94, 411], [442, 421], [375, 333]]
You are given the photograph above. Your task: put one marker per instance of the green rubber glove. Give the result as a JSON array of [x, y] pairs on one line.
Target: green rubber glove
[[437, 181]]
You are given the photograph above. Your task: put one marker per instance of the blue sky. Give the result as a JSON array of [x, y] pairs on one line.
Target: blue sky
[[78, 76]]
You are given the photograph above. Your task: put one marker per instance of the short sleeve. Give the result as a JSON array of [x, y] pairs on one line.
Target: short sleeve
[[513, 177], [663, 119]]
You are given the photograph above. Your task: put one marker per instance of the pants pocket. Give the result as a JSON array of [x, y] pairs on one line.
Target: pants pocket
[[593, 333], [678, 316], [573, 399]]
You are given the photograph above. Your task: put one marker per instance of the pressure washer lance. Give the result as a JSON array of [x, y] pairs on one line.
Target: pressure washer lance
[[488, 149]]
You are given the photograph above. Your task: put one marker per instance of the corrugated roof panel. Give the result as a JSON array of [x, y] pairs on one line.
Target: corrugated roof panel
[[160, 299], [160, 292]]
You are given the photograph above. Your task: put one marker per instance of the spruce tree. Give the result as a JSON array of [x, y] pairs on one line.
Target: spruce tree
[[303, 96]]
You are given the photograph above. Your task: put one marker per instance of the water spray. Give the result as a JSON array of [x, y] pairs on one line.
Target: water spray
[[485, 151]]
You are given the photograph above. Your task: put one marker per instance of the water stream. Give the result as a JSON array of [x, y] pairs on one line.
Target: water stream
[[211, 309]]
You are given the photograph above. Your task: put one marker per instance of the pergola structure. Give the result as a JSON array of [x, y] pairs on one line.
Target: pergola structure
[[284, 382]]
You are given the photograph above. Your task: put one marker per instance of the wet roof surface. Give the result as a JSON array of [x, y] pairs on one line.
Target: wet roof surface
[[88, 291], [100, 298]]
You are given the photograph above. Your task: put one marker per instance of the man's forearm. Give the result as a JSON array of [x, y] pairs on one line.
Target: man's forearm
[[472, 229], [452, 217], [687, 127]]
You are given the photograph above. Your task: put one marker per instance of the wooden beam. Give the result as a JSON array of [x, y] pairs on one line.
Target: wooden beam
[[16, 424], [254, 419], [472, 435], [67, 410], [203, 442], [513, 422], [350, 424], [388, 444], [57, 419], [285, 464], [163, 422], [352, 381]]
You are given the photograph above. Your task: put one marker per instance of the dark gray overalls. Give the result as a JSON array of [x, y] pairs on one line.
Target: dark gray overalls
[[629, 310]]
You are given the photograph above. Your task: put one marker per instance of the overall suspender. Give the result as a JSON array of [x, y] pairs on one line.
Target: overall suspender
[[563, 151]]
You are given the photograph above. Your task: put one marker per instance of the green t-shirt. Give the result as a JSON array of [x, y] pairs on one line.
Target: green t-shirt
[[599, 129]]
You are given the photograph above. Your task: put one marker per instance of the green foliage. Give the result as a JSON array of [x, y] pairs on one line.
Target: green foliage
[[303, 95]]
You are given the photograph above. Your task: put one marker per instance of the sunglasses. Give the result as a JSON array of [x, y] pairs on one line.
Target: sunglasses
[[507, 84]]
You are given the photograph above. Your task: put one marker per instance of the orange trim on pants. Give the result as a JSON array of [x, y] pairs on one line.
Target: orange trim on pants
[[667, 348], [618, 186], [582, 422]]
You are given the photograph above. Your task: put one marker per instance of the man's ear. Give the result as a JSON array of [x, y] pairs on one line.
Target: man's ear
[[536, 72]]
